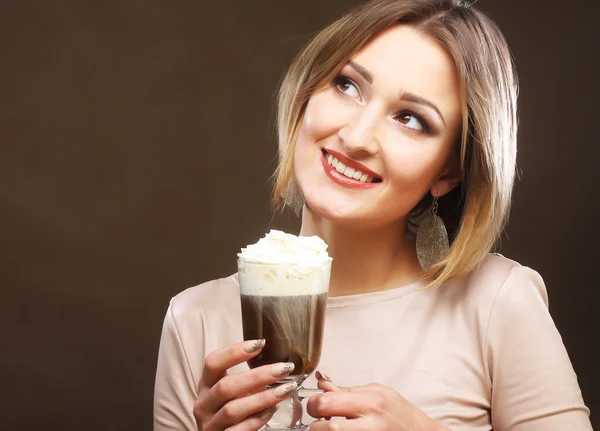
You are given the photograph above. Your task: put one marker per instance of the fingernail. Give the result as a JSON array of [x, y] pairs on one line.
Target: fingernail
[[267, 413], [284, 390], [322, 376], [253, 345], [282, 369]]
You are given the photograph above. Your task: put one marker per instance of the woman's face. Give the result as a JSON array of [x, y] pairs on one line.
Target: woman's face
[[378, 138]]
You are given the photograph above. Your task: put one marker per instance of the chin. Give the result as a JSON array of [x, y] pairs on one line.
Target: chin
[[340, 213], [350, 208]]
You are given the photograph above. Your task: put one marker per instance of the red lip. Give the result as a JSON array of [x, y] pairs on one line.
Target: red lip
[[342, 179], [353, 164]]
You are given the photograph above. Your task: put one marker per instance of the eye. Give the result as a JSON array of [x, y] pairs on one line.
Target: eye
[[347, 87], [412, 121]]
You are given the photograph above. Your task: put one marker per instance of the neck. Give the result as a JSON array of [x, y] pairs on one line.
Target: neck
[[368, 260]]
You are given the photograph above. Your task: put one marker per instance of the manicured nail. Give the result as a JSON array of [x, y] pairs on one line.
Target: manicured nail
[[284, 390], [282, 369], [322, 376], [253, 345], [268, 413]]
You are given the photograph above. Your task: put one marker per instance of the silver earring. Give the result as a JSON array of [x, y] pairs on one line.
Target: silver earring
[[432, 238], [294, 198]]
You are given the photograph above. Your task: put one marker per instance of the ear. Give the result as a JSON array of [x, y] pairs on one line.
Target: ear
[[449, 178]]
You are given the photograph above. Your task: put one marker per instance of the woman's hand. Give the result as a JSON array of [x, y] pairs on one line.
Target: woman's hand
[[239, 402], [370, 407]]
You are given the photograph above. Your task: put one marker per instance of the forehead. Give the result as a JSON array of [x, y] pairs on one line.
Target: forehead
[[404, 59]]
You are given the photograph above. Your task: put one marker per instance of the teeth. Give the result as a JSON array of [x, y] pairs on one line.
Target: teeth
[[347, 170]]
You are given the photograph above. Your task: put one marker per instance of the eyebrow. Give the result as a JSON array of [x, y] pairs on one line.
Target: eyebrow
[[411, 97], [362, 71], [405, 95]]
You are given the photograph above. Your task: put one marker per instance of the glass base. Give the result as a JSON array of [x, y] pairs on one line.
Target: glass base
[[288, 416]]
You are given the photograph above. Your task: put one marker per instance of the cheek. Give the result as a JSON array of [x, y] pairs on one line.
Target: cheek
[[317, 125], [323, 117], [415, 166]]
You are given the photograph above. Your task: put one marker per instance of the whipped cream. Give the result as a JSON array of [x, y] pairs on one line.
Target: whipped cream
[[281, 247], [281, 264]]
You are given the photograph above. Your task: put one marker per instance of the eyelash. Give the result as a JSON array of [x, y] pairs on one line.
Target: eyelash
[[340, 81]]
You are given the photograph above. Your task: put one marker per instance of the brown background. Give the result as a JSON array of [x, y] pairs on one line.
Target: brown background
[[136, 144]]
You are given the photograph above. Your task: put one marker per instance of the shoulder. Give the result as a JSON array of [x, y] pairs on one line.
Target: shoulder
[[498, 277], [528, 366], [209, 312], [199, 320], [496, 285], [206, 317], [209, 296]]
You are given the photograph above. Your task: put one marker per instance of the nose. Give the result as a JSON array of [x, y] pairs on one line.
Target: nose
[[360, 134]]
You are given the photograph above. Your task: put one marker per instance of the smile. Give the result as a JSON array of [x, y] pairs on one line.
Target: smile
[[347, 172]]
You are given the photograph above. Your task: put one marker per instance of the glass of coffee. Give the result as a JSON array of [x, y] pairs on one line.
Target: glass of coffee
[[283, 300]]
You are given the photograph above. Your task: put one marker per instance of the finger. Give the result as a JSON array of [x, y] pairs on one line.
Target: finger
[[356, 389], [368, 388], [341, 424], [347, 404], [254, 422], [322, 376], [382, 390], [238, 410], [232, 386], [218, 362], [329, 387], [322, 379], [325, 383]]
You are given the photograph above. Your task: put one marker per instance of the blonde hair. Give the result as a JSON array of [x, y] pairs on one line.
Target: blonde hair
[[476, 212]]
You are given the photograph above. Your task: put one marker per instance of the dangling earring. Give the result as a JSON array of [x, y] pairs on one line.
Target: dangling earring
[[294, 198], [432, 238]]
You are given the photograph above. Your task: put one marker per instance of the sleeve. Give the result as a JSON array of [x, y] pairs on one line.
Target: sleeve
[[175, 390], [534, 386]]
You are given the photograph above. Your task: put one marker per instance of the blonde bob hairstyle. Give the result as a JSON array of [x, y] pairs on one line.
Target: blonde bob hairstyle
[[475, 212]]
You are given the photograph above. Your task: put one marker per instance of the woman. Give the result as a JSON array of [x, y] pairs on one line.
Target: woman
[[400, 111]]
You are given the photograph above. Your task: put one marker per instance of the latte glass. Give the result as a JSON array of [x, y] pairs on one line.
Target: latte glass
[[285, 303]]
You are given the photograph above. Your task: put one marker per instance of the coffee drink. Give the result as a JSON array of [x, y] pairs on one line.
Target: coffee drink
[[284, 280], [292, 326]]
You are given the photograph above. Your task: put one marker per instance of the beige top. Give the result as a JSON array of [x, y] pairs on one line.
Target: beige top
[[477, 353]]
